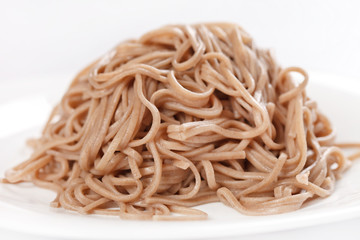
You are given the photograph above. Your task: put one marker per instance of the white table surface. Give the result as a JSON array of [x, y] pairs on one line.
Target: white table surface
[[44, 38], [348, 230]]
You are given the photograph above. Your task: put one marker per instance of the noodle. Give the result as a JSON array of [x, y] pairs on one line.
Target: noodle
[[183, 116]]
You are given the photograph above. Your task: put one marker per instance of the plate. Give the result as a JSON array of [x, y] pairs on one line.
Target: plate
[[24, 107]]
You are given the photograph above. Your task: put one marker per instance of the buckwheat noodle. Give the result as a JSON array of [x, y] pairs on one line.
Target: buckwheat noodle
[[183, 116]]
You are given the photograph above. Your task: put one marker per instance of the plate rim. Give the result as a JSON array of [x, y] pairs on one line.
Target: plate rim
[[228, 229]]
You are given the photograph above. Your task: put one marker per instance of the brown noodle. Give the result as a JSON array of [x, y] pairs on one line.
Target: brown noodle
[[183, 116]]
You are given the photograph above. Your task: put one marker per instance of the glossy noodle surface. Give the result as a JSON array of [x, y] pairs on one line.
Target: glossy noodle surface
[[183, 116]]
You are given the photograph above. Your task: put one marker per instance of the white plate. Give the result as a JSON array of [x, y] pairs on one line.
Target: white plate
[[24, 107]]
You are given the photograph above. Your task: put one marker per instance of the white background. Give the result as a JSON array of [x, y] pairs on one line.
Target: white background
[[47, 38]]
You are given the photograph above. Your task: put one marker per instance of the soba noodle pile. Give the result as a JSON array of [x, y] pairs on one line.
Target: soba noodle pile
[[183, 116]]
